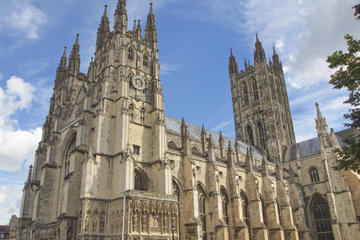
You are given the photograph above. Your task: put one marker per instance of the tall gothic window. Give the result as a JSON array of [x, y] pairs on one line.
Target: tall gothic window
[[261, 134], [146, 60], [263, 211], [255, 89], [225, 205], [69, 149], [245, 212], [142, 115], [250, 135], [140, 181], [279, 212], [69, 234], [322, 219], [245, 92], [131, 53], [176, 190], [202, 208], [131, 111], [314, 175]]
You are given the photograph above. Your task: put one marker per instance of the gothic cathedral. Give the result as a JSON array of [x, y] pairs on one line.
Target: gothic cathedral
[[111, 165]]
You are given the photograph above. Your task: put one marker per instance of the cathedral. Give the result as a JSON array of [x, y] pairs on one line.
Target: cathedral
[[111, 165]]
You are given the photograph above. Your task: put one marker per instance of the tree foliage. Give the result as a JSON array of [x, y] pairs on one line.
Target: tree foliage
[[347, 75]]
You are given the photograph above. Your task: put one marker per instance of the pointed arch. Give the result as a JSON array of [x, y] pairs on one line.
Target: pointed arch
[[177, 189], [202, 207], [245, 92], [255, 89], [261, 134], [70, 144], [245, 211], [130, 53], [140, 180], [314, 175], [321, 218], [250, 135], [225, 204], [145, 60]]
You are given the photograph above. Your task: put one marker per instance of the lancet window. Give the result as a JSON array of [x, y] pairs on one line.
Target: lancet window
[[131, 53], [202, 208], [255, 89], [225, 205], [146, 60], [314, 175], [250, 135], [245, 92], [245, 212], [261, 134], [68, 152]]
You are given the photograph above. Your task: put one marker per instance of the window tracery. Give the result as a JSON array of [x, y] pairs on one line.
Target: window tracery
[[131, 53], [322, 220], [69, 150], [146, 60], [140, 181], [245, 92], [225, 205], [250, 135], [314, 175]]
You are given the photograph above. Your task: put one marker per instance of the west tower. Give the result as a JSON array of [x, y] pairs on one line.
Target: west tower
[[262, 114]]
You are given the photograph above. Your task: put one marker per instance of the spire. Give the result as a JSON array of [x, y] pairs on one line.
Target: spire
[[63, 61], [30, 174], [275, 58], [150, 30], [233, 66], [74, 59], [134, 26], [259, 55], [138, 29], [320, 121], [103, 30], [120, 18]]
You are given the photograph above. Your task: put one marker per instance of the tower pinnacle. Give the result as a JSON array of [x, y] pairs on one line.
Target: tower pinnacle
[[103, 30], [120, 18], [259, 55], [74, 59], [150, 30]]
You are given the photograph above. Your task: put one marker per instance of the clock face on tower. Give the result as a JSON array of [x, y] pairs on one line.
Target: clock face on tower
[[138, 82]]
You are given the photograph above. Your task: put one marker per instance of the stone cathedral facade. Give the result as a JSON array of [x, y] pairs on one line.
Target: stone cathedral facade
[[111, 165]]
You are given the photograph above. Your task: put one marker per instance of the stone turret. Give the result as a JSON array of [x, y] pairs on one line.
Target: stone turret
[[121, 18], [259, 54], [103, 30], [74, 59], [150, 30]]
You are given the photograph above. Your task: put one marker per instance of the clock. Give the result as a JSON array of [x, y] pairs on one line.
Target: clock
[[138, 82]]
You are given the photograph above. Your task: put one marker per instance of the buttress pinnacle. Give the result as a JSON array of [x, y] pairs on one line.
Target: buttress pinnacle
[[150, 30]]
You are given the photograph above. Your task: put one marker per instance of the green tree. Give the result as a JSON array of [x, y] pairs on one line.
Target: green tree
[[347, 75]]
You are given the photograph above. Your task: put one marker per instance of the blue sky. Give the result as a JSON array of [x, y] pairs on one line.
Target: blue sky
[[194, 42]]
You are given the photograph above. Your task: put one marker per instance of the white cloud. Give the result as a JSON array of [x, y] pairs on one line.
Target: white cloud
[[166, 69], [10, 201], [21, 17], [16, 145]]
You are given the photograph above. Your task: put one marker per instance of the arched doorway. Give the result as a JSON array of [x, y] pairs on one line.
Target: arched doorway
[[321, 219]]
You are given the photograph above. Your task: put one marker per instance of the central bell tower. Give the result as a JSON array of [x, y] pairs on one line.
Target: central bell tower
[[262, 114]]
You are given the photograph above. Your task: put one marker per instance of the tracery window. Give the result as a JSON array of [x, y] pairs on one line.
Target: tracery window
[[245, 92], [69, 150], [261, 134], [314, 175], [322, 220], [131, 53], [176, 190], [255, 89], [250, 135], [245, 212], [202, 208], [225, 205], [140, 181], [146, 60]]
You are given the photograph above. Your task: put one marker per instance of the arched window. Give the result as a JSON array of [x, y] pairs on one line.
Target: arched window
[[263, 211], [140, 181], [322, 219], [69, 149], [250, 135], [172, 145], [176, 190], [245, 212], [279, 212], [261, 134], [245, 92], [314, 175], [225, 205], [131, 53], [202, 208], [146, 60], [255, 89]]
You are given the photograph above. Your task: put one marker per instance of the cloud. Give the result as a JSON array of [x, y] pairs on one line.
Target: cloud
[[222, 125], [16, 145], [21, 18], [166, 69], [10, 201]]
